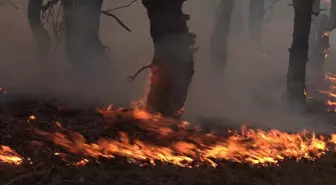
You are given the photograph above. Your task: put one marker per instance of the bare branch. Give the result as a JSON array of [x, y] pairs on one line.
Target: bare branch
[[48, 5], [116, 18], [131, 78], [124, 6], [13, 4]]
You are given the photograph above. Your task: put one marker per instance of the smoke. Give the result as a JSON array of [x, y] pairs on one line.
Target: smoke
[[250, 91]]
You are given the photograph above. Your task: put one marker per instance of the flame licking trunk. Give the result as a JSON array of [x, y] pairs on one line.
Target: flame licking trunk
[[173, 65]]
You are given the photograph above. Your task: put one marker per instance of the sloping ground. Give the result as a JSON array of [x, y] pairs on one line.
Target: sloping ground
[[18, 130]]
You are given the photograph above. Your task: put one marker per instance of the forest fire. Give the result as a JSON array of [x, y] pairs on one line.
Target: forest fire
[[9, 156], [190, 147]]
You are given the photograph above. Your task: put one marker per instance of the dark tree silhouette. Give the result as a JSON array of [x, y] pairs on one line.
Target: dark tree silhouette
[[218, 41], [173, 64], [296, 85], [83, 46], [41, 35]]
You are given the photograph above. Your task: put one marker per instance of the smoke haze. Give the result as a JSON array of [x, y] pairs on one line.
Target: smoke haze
[[250, 90]]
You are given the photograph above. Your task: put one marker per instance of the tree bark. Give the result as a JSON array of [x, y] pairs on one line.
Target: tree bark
[[173, 64], [41, 35], [83, 46], [220, 34], [257, 12], [296, 84]]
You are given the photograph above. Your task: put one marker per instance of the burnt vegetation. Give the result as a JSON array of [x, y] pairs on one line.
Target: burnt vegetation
[[46, 141]]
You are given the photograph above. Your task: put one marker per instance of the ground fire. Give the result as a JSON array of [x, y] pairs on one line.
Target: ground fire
[[187, 146]]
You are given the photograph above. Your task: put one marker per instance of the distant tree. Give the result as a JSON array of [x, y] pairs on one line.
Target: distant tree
[[83, 46], [41, 35], [256, 15], [219, 37], [173, 64]]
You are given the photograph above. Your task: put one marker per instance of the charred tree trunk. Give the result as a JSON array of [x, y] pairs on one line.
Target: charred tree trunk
[[173, 64], [41, 35], [220, 34], [257, 12], [83, 46], [296, 84]]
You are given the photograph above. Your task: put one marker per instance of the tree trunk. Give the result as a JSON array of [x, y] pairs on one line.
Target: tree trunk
[[257, 12], [41, 35], [296, 85], [220, 34], [173, 64], [83, 46], [332, 15]]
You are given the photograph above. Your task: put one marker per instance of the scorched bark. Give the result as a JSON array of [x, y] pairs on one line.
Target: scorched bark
[[41, 35], [218, 42], [298, 57], [173, 64], [83, 46]]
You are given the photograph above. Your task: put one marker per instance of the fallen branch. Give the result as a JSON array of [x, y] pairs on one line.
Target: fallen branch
[[116, 18], [124, 6], [131, 78]]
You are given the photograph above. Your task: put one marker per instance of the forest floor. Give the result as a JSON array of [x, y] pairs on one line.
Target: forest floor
[[17, 128]]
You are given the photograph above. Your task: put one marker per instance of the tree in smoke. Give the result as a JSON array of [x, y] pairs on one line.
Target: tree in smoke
[[83, 46], [41, 35], [296, 84], [256, 12], [220, 34], [173, 64]]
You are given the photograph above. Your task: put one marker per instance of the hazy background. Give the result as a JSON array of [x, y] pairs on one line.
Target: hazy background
[[250, 91]]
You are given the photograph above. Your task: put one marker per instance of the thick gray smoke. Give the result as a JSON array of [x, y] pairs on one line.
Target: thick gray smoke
[[250, 90]]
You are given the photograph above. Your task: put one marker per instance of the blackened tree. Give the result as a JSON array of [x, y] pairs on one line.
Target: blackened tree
[[173, 64], [296, 84]]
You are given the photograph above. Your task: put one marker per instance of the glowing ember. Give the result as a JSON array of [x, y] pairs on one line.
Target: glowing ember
[[7, 155]]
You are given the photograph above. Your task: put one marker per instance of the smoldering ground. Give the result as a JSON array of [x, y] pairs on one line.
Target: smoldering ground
[[250, 90]]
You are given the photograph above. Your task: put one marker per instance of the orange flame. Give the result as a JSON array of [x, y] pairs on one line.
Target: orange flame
[[253, 146], [7, 155]]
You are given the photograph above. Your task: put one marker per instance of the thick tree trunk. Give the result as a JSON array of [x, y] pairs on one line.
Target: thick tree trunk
[[83, 46], [257, 12], [41, 35], [296, 85], [220, 34], [173, 64]]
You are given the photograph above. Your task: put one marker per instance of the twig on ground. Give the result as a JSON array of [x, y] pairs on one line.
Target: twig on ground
[[123, 6], [29, 174], [73, 182], [131, 78], [116, 18]]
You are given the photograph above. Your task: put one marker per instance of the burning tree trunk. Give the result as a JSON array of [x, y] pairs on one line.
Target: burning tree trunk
[[41, 35], [257, 12], [218, 42], [173, 65], [296, 85], [83, 46]]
